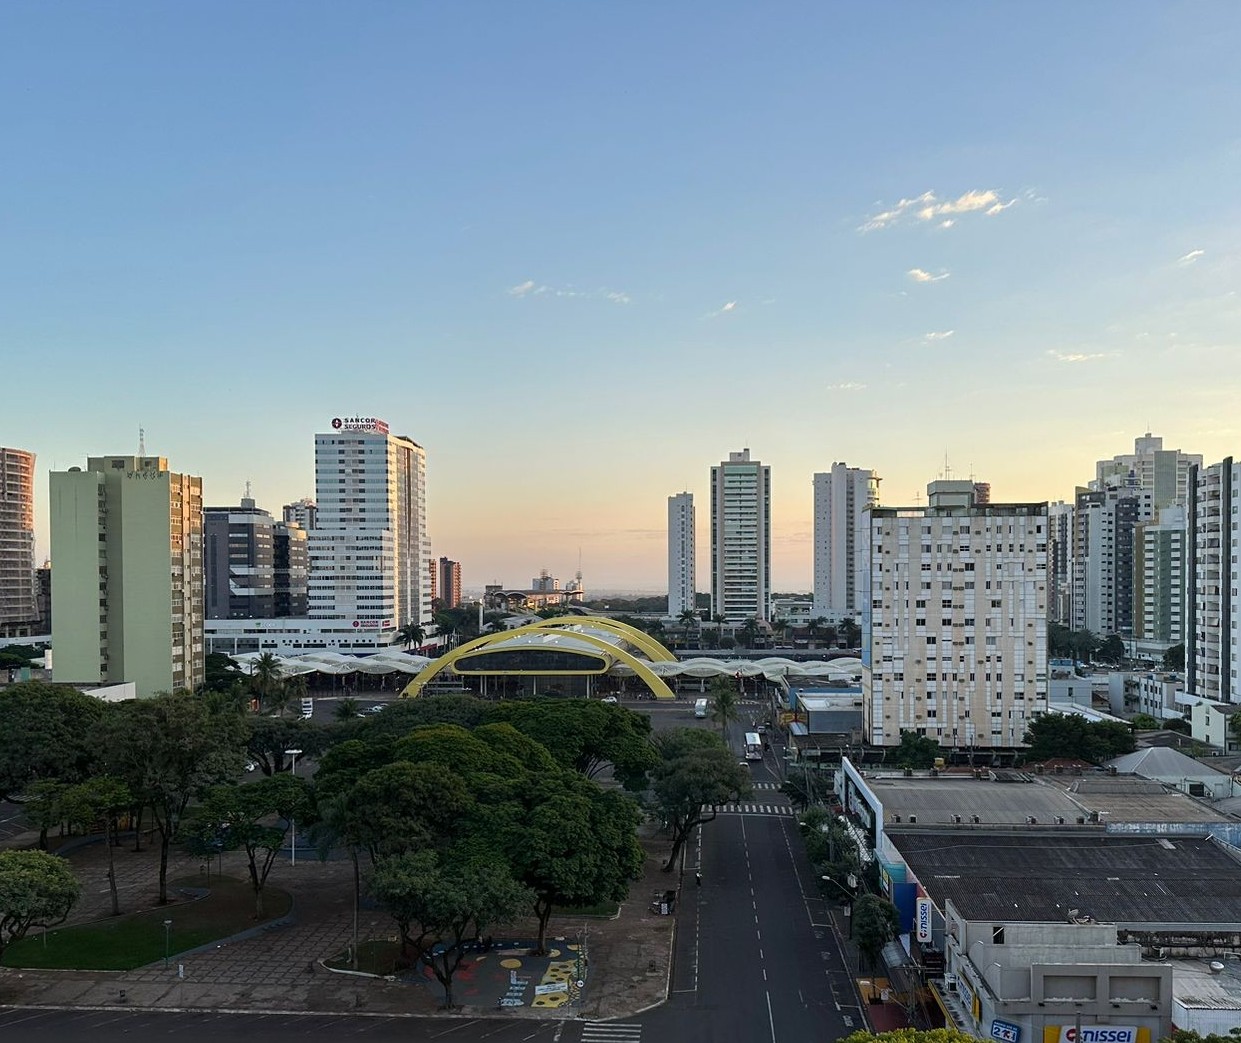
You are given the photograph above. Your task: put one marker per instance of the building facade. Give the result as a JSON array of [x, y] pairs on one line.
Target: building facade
[[842, 497], [1164, 473], [1105, 523], [304, 513], [1060, 562], [740, 538], [127, 578], [239, 565], [681, 553], [19, 609], [954, 636], [290, 569], [1212, 544], [369, 550], [1159, 581], [447, 575]]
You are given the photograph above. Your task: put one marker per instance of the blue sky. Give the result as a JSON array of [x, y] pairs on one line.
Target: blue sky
[[583, 251]]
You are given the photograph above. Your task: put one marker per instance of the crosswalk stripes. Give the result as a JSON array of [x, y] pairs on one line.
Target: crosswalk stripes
[[764, 785], [753, 809], [610, 1032]]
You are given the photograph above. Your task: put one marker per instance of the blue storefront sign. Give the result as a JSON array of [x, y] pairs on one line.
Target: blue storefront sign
[[1005, 1031]]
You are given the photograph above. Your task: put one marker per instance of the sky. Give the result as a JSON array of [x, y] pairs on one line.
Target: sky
[[582, 252]]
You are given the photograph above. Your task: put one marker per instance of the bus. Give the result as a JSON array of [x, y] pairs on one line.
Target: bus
[[753, 746]]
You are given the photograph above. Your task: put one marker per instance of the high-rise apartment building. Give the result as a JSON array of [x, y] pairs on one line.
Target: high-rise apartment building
[[740, 538], [127, 576], [303, 513], [1105, 522], [1164, 473], [681, 564], [290, 569], [369, 549], [1213, 606], [954, 635], [1060, 562], [19, 610], [447, 575], [239, 566], [842, 497], [1159, 581]]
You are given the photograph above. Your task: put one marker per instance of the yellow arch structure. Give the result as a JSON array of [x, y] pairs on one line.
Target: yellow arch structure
[[639, 666], [654, 650]]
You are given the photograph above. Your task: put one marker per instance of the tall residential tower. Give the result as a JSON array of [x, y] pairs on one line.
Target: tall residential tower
[[19, 611], [680, 554], [127, 578], [740, 538], [841, 499]]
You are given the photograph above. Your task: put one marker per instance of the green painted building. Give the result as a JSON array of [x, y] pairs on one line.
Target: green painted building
[[127, 574]]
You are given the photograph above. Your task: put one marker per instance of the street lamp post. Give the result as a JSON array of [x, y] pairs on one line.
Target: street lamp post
[[167, 940], [293, 822]]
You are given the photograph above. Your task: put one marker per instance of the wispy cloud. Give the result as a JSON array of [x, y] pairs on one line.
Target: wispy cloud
[[935, 335], [1080, 356], [726, 309], [850, 385], [1189, 258], [530, 288], [922, 275], [930, 207]]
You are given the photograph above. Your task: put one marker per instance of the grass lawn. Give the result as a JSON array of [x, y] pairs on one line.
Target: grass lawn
[[376, 956], [131, 940]]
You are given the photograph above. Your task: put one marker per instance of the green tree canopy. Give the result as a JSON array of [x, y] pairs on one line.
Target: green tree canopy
[[46, 731], [36, 890], [402, 807], [875, 923], [912, 1035], [695, 773], [403, 716], [916, 751], [101, 799], [1174, 657], [254, 818], [724, 703], [267, 739], [585, 736], [1070, 735], [169, 750]]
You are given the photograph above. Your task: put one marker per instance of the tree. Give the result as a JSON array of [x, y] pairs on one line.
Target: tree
[[586, 736], [749, 632], [1070, 735], [1174, 657], [850, 633], [1144, 722], [916, 751], [254, 818], [404, 806], [267, 682], [347, 709], [43, 806], [336, 826], [267, 739], [46, 730], [689, 620], [410, 635], [696, 773], [439, 904], [36, 890], [575, 845], [724, 708], [912, 1035], [1191, 1036], [168, 750], [875, 923], [782, 627], [102, 798], [1112, 650]]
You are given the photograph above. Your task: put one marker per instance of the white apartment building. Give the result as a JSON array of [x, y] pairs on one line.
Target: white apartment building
[[1211, 600], [954, 636], [1105, 523], [127, 584], [369, 551], [303, 513], [681, 566], [841, 499], [1164, 473], [19, 611], [740, 538]]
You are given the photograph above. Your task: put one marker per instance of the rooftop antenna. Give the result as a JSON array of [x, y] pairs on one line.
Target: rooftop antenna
[[947, 467], [247, 488], [142, 441]]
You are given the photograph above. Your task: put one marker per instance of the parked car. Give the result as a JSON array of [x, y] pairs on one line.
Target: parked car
[[611, 700]]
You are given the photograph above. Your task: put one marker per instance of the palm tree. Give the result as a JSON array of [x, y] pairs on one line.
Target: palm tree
[[851, 632], [409, 635], [749, 631], [781, 627], [814, 627], [266, 679], [724, 710], [688, 620], [347, 709]]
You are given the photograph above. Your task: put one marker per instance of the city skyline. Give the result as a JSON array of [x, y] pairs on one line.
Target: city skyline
[[546, 245]]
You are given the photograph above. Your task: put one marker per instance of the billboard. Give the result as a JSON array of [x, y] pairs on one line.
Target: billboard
[[364, 425], [1096, 1034], [923, 919]]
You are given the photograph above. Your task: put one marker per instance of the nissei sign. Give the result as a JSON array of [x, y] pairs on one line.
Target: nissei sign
[[924, 920], [1096, 1034]]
